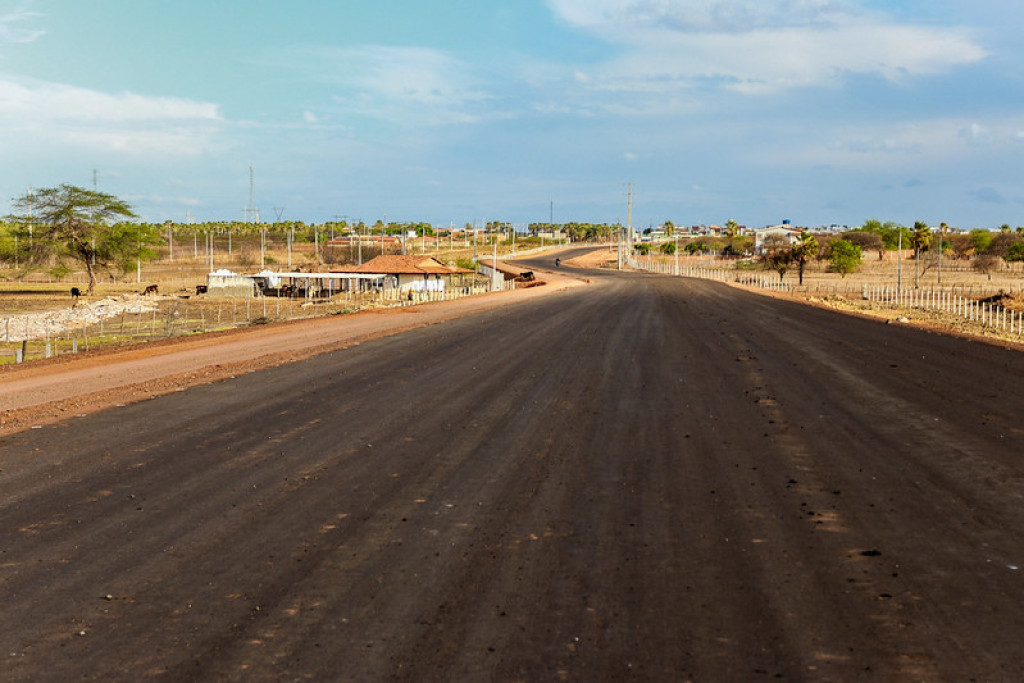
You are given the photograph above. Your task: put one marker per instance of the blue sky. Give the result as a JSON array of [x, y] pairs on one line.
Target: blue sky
[[820, 111]]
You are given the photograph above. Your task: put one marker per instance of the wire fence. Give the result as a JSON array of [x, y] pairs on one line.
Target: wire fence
[[983, 309], [81, 328]]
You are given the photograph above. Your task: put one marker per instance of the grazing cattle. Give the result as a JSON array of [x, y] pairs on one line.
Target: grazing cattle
[[75, 293], [202, 289], [151, 289], [287, 290]]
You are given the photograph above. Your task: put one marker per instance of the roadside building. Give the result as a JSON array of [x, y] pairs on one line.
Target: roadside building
[[411, 273], [784, 231]]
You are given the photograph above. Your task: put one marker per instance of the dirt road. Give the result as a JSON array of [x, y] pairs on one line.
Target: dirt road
[[648, 478]]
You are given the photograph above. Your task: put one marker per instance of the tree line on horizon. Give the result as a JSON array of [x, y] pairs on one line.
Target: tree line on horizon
[[98, 230]]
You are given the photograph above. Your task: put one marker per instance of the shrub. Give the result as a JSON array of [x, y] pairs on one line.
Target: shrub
[[845, 257], [1015, 252]]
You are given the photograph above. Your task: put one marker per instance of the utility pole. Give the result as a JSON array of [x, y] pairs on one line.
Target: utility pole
[[618, 242], [629, 214], [494, 273]]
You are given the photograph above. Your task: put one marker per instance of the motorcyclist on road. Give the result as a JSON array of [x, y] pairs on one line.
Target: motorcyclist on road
[[558, 263]]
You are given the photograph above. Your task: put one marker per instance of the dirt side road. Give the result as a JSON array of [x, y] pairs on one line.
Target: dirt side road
[[650, 478]]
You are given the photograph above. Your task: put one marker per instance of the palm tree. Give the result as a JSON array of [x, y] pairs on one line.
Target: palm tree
[[804, 250], [919, 239]]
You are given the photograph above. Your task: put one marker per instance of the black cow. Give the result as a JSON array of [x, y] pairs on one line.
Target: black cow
[[75, 293], [151, 289], [202, 289]]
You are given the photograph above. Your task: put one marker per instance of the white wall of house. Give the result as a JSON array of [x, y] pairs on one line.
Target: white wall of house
[[410, 282], [781, 230]]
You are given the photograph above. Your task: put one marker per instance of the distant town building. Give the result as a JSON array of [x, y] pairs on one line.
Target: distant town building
[[784, 230]]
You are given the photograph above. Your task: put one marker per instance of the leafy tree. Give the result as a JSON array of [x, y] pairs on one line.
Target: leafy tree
[[890, 233], [980, 239], [803, 251], [777, 255], [670, 228], [867, 241], [961, 245], [642, 249], [668, 248], [739, 246], [732, 229], [1001, 243], [1015, 252], [845, 257], [73, 223], [703, 245]]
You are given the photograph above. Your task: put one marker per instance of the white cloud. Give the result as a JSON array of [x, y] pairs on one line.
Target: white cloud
[[51, 113], [11, 34], [674, 45], [701, 15], [406, 85], [904, 145]]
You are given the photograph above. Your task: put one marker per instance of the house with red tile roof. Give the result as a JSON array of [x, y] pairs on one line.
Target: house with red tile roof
[[414, 273]]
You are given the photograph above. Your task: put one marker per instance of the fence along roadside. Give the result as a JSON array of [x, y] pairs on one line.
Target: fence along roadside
[[59, 334], [986, 313]]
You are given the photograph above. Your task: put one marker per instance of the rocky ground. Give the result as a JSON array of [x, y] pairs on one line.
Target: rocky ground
[[58, 322]]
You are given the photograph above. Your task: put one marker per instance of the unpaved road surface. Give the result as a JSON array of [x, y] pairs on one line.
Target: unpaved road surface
[[648, 478]]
